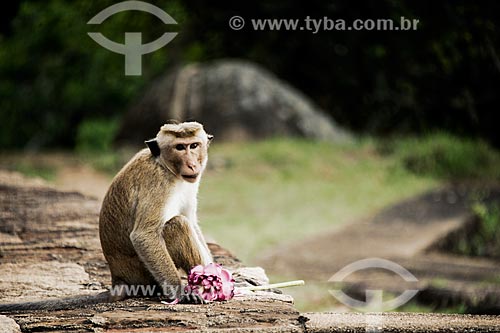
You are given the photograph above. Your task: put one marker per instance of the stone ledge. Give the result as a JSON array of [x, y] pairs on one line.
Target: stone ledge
[[45, 230], [49, 248], [399, 322]]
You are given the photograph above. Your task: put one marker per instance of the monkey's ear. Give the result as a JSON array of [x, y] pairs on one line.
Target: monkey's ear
[[210, 137], [153, 147]]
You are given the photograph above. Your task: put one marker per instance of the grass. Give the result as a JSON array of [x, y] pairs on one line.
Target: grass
[[485, 239], [109, 162], [96, 135], [278, 191], [445, 156], [34, 170], [256, 195], [268, 192], [440, 283], [28, 166], [94, 145]]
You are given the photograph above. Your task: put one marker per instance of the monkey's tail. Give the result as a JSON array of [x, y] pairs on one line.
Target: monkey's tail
[[59, 304]]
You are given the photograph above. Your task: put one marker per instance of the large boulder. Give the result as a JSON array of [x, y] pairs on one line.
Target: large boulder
[[235, 100]]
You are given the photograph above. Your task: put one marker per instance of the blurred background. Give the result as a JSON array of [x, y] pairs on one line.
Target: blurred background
[[324, 141]]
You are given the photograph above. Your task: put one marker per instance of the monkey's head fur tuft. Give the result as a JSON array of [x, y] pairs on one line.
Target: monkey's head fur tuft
[[182, 129], [182, 149]]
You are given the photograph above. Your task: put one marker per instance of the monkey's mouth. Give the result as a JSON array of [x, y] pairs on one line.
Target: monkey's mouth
[[190, 178]]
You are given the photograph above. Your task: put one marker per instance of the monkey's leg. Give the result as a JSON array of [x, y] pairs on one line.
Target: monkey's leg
[[181, 244]]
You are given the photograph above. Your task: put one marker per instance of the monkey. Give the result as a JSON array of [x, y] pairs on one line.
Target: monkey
[[148, 225]]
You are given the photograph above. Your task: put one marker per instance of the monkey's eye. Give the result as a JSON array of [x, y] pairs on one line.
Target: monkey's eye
[[194, 145], [180, 147]]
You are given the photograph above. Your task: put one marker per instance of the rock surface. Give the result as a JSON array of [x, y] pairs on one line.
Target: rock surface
[[8, 325], [399, 322], [49, 248], [234, 100]]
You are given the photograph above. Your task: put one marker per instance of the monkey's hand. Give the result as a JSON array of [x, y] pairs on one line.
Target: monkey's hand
[[191, 298]]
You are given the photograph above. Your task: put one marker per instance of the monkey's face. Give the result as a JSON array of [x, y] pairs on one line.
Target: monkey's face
[[182, 149], [188, 158]]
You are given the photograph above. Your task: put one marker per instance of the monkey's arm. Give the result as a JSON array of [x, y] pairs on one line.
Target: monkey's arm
[[206, 256], [150, 247], [160, 259]]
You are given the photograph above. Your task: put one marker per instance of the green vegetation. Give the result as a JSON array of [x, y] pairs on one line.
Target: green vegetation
[[489, 217], [439, 282], [53, 76], [445, 156], [485, 239], [109, 162], [94, 141], [268, 192], [247, 196], [95, 135], [443, 76], [31, 169]]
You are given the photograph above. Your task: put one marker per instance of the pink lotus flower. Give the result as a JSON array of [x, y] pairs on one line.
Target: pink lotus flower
[[211, 282]]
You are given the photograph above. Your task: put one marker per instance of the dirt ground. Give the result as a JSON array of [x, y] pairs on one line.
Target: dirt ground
[[66, 171], [83, 179]]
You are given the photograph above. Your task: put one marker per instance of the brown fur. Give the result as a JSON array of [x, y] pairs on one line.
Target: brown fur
[[140, 248], [125, 205], [183, 130]]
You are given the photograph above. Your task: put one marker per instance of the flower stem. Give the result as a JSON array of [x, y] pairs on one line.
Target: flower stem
[[275, 285]]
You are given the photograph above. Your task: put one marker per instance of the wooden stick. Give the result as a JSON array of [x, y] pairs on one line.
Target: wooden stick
[[274, 285]]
